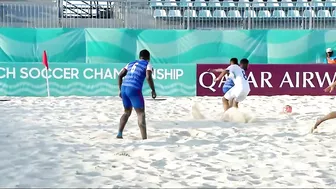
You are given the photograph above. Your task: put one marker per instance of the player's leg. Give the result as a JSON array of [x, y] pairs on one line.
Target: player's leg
[[127, 111], [235, 104], [226, 104], [123, 120], [142, 122], [230, 103], [240, 96], [138, 103], [229, 96], [331, 115]]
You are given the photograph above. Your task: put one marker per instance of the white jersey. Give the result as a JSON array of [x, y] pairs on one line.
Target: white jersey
[[238, 76]]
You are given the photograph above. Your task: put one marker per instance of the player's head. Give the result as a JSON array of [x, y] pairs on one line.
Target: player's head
[[233, 61], [144, 54], [329, 52], [244, 63]]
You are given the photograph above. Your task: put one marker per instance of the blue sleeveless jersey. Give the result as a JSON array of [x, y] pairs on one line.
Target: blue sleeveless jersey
[[228, 85], [136, 74]]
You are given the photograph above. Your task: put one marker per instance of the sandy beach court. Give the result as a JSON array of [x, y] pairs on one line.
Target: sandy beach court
[[70, 142]]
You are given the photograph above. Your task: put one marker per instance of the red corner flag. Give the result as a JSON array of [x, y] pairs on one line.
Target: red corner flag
[[45, 60]]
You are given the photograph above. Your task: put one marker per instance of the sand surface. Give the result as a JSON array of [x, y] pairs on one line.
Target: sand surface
[[70, 142]]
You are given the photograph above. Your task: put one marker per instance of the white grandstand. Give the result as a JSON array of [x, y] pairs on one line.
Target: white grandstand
[[255, 9], [245, 14], [170, 14]]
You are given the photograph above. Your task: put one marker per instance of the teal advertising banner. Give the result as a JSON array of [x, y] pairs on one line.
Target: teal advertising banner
[[86, 61], [66, 79], [97, 45]]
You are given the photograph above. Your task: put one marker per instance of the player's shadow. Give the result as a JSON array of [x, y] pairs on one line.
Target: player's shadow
[[195, 124]]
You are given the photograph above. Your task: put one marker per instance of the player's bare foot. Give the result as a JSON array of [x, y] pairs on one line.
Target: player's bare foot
[[318, 122]]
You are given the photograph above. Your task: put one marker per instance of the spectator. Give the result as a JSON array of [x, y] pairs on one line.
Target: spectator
[[331, 59]]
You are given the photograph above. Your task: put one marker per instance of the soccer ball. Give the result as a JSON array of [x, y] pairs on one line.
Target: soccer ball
[[287, 109]]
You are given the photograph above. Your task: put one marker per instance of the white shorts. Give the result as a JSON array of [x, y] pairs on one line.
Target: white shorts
[[237, 94]]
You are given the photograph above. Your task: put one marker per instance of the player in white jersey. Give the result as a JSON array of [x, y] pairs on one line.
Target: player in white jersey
[[241, 87]]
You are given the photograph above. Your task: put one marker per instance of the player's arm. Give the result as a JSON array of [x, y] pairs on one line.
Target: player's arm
[[149, 77], [330, 88], [333, 84], [121, 76], [223, 73], [216, 70]]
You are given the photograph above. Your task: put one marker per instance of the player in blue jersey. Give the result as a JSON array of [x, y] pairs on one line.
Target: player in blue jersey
[[131, 91]]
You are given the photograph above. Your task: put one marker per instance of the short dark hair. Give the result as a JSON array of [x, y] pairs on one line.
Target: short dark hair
[[244, 61], [144, 54], [234, 60]]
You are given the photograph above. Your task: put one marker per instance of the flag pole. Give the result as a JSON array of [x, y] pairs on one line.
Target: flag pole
[[46, 65], [47, 79]]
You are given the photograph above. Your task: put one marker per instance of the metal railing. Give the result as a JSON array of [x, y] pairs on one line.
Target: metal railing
[[181, 14]]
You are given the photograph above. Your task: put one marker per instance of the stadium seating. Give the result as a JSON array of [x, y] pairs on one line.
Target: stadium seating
[[273, 7], [172, 14], [225, 14], [255, 11]]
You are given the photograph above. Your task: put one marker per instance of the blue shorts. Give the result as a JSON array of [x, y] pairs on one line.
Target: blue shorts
[[132, 97], [226, 89]]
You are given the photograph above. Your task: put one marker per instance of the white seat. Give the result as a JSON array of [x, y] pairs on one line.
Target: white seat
[[279, 14], [293, 13], [330, 3], [158, 13], [170, 3], [287, 3], [200, 3], [174, 14], [258, 3], [308, 13], [333, 14], [186, 3], [234, 14], [323, 14], [156, 3], [219, 14], [272, 3], [302, 3], [229, 3], [214, 3], [189, 13], [204, 14], [317, 3], [243, 3], [250, 14], [264, 14]]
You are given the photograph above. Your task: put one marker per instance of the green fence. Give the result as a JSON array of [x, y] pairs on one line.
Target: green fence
[[87, 61], [166, 46]]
